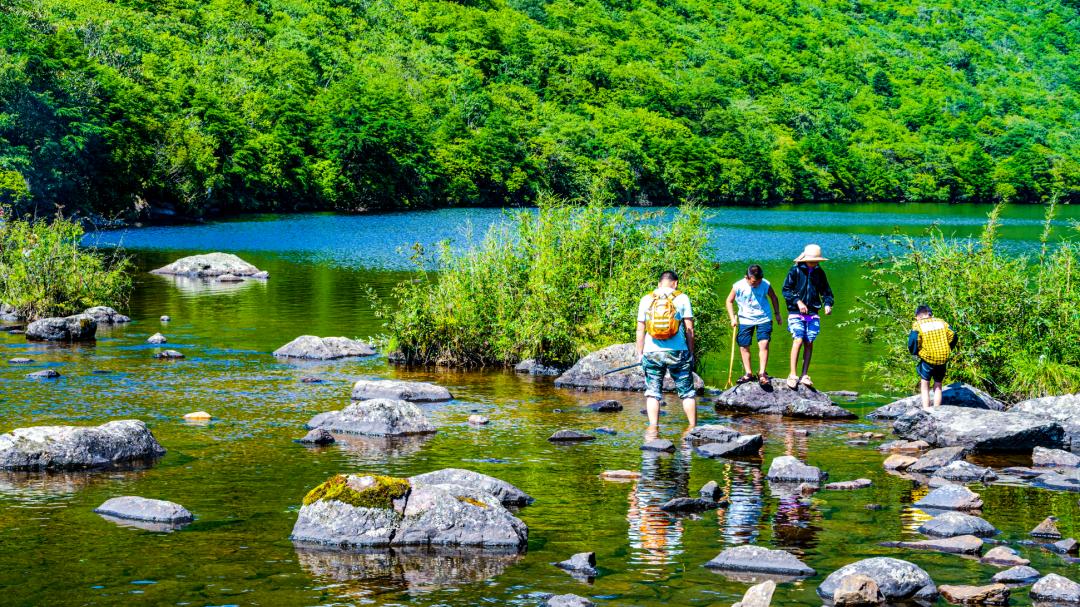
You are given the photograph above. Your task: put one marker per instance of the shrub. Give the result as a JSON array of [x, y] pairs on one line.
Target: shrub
[[552, 285]]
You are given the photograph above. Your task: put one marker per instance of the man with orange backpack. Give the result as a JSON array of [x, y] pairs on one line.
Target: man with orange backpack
[[665, 342]]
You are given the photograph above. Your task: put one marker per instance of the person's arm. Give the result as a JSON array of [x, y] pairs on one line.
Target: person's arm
[[731, 308], [775, 304], [640, 339], [826, 292], [688, 325], [913, 342], [790, 290]]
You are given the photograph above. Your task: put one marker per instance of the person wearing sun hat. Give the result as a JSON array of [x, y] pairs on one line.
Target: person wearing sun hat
[[806, 292]]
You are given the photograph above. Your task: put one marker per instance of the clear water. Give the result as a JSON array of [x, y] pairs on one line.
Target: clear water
[[243, 477]]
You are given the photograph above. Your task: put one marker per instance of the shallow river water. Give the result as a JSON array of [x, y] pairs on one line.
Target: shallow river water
[[243, 477]]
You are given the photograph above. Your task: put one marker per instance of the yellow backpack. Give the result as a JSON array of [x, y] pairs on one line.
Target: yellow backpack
[[660, 319]]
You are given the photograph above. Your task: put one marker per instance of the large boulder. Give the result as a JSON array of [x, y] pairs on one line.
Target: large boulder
[[209, 265], [779, 399], [73, 447], [952, 395], [589, 372], [453, 515], [1056, 589], [324, 348], [757, 559], [982, 430], [143, 509], [375, 417], [508, 494], [897, 580], [104, 315], [414, 391], [1064, 409], [80, 327], [352, 512]]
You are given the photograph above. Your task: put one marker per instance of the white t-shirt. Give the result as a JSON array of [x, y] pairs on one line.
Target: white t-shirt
[[754, 305], [682, 311]]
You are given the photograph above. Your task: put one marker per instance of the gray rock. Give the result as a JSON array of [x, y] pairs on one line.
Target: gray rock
[[742, 445], [20, 361], [896, 579], [606, 406], [897, 461], [1054, 458], [583, 563], [689, 504], [859, 483], [857, 591], [261, 275], [413, 391], [1022, 471], [1003, 556], [712, 433], [757, 559], [508, 494], [318, 436], [937, 458], [341, 525], [165, 318], [375, 417], [143, 509], [9, 313], [1065, 546], [44, 374], [658, 444], [1048, 528], [73, 447], [965, 472], [1068, 480], [323, 348], [787, 468], [950, 497], [952, 524], [79, 327], [1064, 409], [589, 372], [570, 436], [993, 594], [478, 420], [531, 366], [1021, 574], [758, 595], [961, 544], [710, 491], [1057, 589], [454, 515], [208, 265], [779, 399], [952, 395], [568, 600], [156, 338], [984, 431], [104, 315], [169, 354]]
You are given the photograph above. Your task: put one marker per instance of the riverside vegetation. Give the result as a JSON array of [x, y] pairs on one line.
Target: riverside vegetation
[[226, 106]]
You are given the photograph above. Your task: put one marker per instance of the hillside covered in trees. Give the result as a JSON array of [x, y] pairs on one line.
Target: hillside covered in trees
[[116, 107]]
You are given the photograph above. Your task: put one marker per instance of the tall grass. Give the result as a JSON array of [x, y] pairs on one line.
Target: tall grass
[[1017, 316], [552, 284]]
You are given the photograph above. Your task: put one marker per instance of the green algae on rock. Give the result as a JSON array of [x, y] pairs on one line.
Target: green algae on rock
[[380, 492]]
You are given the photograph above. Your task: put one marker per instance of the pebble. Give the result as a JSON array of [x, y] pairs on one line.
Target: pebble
[[478, 420], [165, 318], [44, 374], [198, 416], [169, 354]]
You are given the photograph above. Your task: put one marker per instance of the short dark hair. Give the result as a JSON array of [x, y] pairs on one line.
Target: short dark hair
[[669, 275], [924, 309], [754, 271]]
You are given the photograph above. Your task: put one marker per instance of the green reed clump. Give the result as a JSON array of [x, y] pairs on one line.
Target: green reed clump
[[1017, 316], [45, 270], [552, 285]]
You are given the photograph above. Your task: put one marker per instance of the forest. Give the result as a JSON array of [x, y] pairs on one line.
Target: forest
[[129, 109]]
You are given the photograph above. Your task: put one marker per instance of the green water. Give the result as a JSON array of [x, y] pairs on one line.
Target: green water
[[243, 477]]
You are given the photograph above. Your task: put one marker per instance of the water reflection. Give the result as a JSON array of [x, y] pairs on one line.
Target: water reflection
[[655, 535], [744, 486], [203, 286], [36, 486], [365, 450]]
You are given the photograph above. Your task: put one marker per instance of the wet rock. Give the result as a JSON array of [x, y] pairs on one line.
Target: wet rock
[[710, 491], [606, 406], [531, 366], [568, 600], [757, 559], [952, 395], [478, 420], [20, 361], [455, 515], [937, 458], [143, 509], [620, 475], [9, 313], [165, 354], [965, 472], [318, 436], [1003, 556], [984, 431], [570, 436], [230, 278], [79, 327], [1022, 471], [778, 399], [743, 445], [605, 430], [993, 594], [787, 468], [412, 391], [952, 524], [583, 563], [1065, 546], [44, 374], [1020, 574], [165, 318], [156, 338], [951, 497], [961, 544], [198, 416], [1047, 528], [1055, 589], [1054, 458], [859, 483], [658, 444], [758, 595], [208, 265], [341, 525], [689, 504], [508, 494], [897, 580], [104, 315], [73, 447], [1068, 480], [899, 462], [1064, 409], [375, 417], [324, 348], [857, 591], [589, 372]]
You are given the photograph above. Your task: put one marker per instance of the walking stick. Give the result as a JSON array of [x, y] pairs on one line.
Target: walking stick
[[731, 363]]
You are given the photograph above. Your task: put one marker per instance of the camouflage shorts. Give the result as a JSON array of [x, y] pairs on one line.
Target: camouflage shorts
[[675, 362]]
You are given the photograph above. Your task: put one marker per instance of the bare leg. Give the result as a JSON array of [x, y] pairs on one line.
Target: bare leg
[[689, 406], [795, 345], [924, 386], [745, 353], [807, 352], [652, 408], [763, 355], [937, 394]]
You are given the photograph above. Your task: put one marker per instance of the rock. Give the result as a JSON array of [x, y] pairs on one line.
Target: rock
[[710, 491], [208, 265], [1047, 528], [44, 374], [952, 395], [143, 509], [757, 559], [994, 594], [198, 416], [897, 580], [605, 430], [308, 379], [412, 391], [1065, 546], [758, 595], [859, 483], [583, 563], [455, 515], [807, 489], [1057, 589], [961, 544], [1054, 458], [1022, 471], [1064, 409], [984, 431], [689, 504], [230, 278], [606, 406], [951, 497], [787, 468], [375, 417], [620, 475], [478, 420], [742, 445], [857, 591], [965, 472], [1068, 480], [712, 433], [802, 402], [899, 462], [73, 447], [156, 338], [323, 348], [169, 354], [318, 436], [165, 318], [658, 444], [937, 458], [79, 327], [1003, 556], [568, 600], [844, 394], [104, 315], [371, 519], [589, 372], [507, 494], [952, 524], [20, 361], [570, 436], [261, 275], [9, 313], [1020, 574], [531, 366]]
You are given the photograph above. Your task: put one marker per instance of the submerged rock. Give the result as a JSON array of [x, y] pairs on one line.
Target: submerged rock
[[143, 509], [620, 475], [104, 315], [412, 391], [208, 265], [952, 524], [72, 447], [984, 431], [1003, 556], [965, 472], [1054, 458], [20, 361], [658, 444], [80, 327], [531, 366], [689, 504], [568, 600], [570, 436], [478, 420], [1021, 574], [318, 436], [167, 354], [787, 468], [589, 372], [583, 563], [779, 399], [961, 544], [896, 579], [859, 483], [952, 395], [757, 559], [375, 417], [507, 493], [324, 348], [606, 406], [1056, 589], [993, 594], [951, 497]]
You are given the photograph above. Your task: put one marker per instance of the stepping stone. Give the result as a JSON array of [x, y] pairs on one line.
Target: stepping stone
[[758, 559], [859, 483], [787, 468], [899, 462], [1021, 574], [1047, 528], [583, 563], [169, 354], [142, 509], [993, 594], [606, 406], [745, 445], [44, 374], [961, 544], [318, 436], [570, 436], [156, 338], [20, 361], [965, 472], [951, 497], [937, 458], [412, 391], [758, 595], [1003, 556], [659, 444], [478, 420], [952, 524], [198, 416], [689, 504], [620, 475]]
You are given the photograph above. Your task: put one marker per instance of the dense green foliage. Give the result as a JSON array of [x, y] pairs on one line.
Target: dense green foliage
[[44, 270], [232, 105], [1017, 318], [553, 285]]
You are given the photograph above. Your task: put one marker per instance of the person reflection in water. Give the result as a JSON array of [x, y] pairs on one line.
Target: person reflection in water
[[656, 536], [797, 521]]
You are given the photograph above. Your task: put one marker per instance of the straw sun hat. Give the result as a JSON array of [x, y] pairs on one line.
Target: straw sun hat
[[812, 252]]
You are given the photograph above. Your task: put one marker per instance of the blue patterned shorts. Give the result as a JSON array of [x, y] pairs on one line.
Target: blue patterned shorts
[[675, 362], [804, 327]]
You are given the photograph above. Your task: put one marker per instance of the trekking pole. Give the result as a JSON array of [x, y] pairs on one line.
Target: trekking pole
[[630, 366], [731, 362]]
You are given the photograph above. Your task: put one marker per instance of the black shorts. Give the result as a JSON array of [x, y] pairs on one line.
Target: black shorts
[[928, 372]]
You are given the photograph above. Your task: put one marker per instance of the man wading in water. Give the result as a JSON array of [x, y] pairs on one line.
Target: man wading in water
[[665, 342]]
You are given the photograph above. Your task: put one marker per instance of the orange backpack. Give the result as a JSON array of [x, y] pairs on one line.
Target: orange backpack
[[660, 320]]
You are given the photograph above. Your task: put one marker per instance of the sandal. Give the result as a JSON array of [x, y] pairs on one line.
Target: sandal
[[749, 377], [806, 381], [792, 381], [765, 380]]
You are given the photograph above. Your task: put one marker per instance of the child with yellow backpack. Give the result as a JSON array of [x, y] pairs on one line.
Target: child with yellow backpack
[[665, 344], [932, 340]]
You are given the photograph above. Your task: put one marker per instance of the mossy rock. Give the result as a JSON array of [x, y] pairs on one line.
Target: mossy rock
[[474, 502], [381, 494]]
